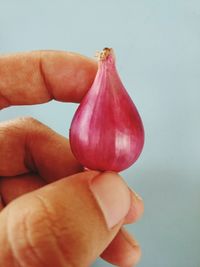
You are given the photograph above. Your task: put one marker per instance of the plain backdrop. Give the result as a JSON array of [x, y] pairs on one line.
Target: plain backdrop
[[157, 44]]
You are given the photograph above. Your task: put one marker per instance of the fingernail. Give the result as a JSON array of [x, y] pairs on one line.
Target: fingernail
[[112, 195], [136, 195]]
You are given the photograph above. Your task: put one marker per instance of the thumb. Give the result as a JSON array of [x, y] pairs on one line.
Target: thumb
[[67, 223]]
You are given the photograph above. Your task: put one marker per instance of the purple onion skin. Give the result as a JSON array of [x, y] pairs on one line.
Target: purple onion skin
[[106, 132]]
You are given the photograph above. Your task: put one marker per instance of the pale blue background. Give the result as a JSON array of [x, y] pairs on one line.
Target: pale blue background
[[157, 44]]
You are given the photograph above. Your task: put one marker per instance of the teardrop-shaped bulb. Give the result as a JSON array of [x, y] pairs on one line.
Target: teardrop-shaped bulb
[[106, 132]]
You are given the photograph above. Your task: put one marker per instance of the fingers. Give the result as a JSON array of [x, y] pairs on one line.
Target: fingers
[[37, 77], [13, 187], [37, 148], [123, 250], [28, 145], [119, 252], [67, 223]]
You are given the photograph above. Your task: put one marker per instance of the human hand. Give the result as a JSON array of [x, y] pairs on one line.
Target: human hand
[[64, 216]]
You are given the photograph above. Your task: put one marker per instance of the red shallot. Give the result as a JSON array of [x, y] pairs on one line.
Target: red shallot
[[106, 132]]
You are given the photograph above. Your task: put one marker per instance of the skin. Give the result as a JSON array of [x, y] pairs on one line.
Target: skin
[[48, 216]]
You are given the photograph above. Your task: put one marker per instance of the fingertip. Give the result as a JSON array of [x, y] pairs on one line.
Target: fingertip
[[39, 76], [136, 208], [112, 195], [68, 76], [123, 250], [137, 252]]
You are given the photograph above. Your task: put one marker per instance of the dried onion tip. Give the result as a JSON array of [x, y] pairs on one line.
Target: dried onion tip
[[106, 132]]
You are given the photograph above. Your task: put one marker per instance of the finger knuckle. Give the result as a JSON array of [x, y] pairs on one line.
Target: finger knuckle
[[29, 121], [16, 124], [40, 237]]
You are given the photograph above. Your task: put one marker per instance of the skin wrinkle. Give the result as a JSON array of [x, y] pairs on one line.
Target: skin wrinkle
[[2, 199], [11, 243], [133, 245], [4, 101], [29, 161], [30, 245], [54, 235], [44, 79], [2, 202], [12, 131]]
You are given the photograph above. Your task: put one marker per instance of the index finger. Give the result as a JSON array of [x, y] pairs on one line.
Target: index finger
[[39, 76]]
